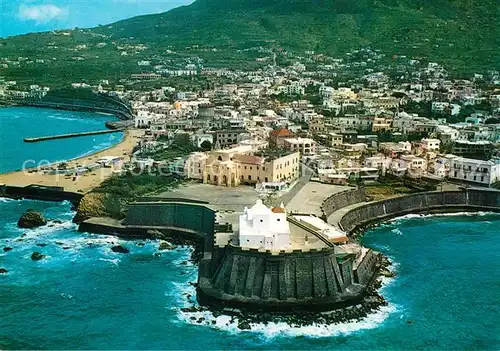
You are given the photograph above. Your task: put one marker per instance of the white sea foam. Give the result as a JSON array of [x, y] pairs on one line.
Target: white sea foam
[[451, 214], [113, 261], [6, 200], [397, 231], [275, 329]]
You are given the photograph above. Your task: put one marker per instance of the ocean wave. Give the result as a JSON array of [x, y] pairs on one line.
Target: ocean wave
[[451, 214], [276, 329], [7, 200], [397, 231]]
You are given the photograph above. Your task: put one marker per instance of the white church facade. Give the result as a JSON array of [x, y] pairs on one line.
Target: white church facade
[[261, 227]]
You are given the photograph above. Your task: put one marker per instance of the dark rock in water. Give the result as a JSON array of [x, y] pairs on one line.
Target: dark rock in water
[[189, 309], [23, 235], [41, 245], [165, 245], [244, 325], [57, 221], [59, 243], [3, 271], [31, 219], [66, 248], [6, 249], [409, 321], [120, 249], [37, 256], [184, 263], [140, 244], [387, 273]]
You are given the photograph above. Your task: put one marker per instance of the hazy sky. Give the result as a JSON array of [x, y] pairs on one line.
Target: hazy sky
[[24, 16]]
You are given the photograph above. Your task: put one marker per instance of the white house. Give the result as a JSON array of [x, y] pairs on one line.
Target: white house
[[264, 228], [476, 171], [431, 144]]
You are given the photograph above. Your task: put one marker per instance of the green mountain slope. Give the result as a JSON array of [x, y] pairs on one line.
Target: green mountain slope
[[464, 34]]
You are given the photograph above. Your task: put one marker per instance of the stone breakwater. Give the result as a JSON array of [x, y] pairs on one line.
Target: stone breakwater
[[431, 202]]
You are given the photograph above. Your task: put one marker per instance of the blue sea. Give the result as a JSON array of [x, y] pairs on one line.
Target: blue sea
[[84, 296], [17, 123]]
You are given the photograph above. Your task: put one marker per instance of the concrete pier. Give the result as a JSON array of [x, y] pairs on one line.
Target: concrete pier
[[71, 135]]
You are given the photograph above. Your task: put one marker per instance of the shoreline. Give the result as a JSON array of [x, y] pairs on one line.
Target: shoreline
[[83, 183]]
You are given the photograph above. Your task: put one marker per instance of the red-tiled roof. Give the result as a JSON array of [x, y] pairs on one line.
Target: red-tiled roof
[[283, 132], [249, 159]]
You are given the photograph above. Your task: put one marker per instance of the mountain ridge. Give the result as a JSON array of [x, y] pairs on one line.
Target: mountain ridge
[[462, 34]]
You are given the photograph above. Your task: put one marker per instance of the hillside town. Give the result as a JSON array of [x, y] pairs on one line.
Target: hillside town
[[348, 120]]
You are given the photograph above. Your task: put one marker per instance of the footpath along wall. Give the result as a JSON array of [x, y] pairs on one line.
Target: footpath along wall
[[430, 202]]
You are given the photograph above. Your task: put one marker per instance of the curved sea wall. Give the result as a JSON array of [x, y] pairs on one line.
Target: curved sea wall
[[343, 199], [37, 192], [430, 202]]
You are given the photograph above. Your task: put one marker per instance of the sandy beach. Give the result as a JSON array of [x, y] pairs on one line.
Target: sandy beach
[[82, 183]]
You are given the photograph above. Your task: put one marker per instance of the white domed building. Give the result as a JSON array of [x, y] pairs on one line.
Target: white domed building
[[261, 227]]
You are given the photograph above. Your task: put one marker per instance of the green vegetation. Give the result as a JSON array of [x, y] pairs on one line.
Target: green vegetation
[[181, 147], [462, 34]]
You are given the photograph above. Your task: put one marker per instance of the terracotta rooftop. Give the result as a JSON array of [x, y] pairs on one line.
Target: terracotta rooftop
[[278, 210], [283, 132], [249, 159]]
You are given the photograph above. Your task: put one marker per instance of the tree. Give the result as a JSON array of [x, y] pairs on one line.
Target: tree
[[206, 145]]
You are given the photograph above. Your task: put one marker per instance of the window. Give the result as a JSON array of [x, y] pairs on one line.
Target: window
[[245, 167], [278, 219], [208, 177], [242, 177], [249, 177], [482, 178], [263, 168]]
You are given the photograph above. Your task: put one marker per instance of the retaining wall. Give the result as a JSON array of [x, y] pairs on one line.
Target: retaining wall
[[431, 202], [44, 193], [343, 199], [193, 217]]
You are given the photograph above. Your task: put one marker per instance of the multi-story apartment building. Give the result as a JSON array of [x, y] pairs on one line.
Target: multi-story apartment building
[[479, 149], [476, 171], [335, 140], [305, 146], [431, 144]]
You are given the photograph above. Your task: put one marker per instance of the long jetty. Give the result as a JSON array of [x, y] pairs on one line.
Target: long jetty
[[71, 135]]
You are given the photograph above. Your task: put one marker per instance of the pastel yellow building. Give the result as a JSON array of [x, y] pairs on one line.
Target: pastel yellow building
[[232, 168]]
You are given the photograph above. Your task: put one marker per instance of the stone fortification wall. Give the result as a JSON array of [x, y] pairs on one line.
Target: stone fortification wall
[[259, 280], [343, 199], [432, 202], [193, 217], [43, 193], [364, 272]]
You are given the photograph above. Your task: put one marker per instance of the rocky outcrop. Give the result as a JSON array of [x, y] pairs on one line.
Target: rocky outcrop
[[120, 249], [31, 219], [165, 245], [97, 204], [7, 249], [3, 271], [37, 256]]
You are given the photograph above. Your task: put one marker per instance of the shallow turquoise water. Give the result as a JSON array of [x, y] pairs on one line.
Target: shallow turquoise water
[[17, 123], [84, 296]]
